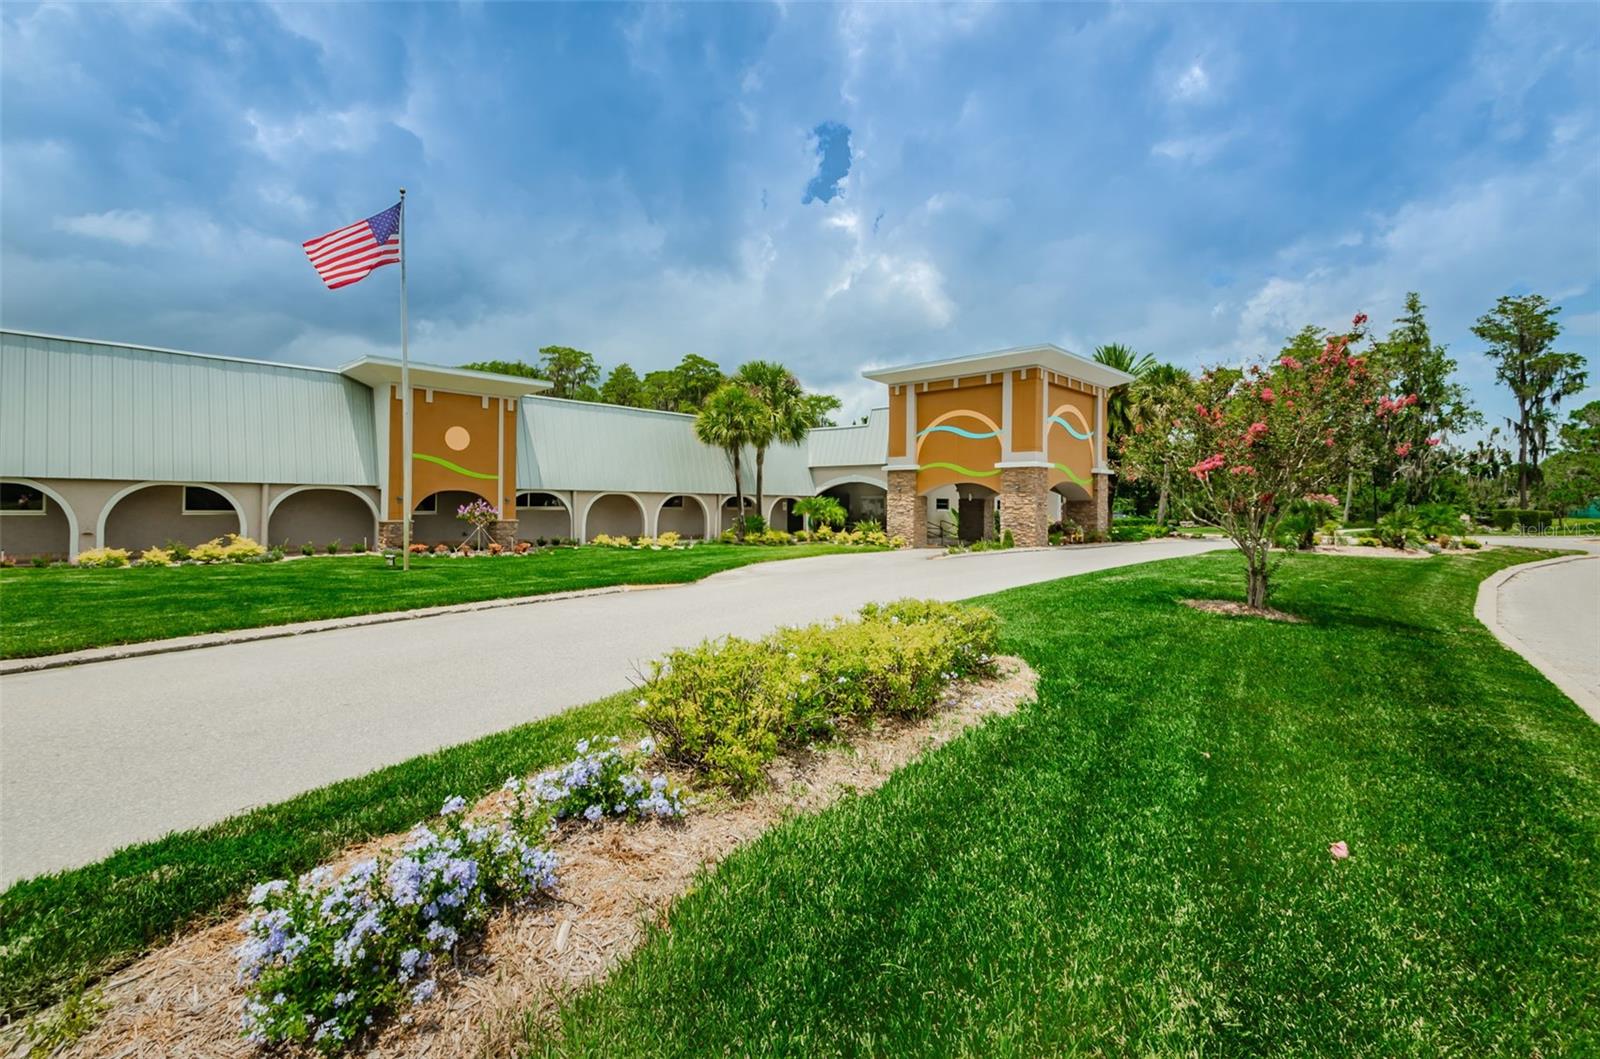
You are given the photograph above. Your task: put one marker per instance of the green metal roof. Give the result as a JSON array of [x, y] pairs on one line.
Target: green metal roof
[[74, 408], [852, 446], [583, 445]]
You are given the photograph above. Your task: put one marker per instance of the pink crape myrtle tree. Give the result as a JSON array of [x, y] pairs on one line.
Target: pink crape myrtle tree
[[1256, 440]]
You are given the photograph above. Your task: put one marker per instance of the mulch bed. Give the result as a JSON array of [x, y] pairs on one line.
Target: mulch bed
[[181, 1001], [1240, 610]]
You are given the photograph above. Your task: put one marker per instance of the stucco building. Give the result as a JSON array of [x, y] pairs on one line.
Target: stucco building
[[116, 445]]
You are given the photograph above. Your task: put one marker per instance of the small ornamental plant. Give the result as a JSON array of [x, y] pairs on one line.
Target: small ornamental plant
[[479, 515], [604, 781], [91, 558], [325, 959]]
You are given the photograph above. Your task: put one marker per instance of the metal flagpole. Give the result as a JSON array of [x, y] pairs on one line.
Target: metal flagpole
[[405, 401]]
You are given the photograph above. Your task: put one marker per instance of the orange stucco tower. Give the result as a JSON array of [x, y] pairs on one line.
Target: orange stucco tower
[[1004, 430]]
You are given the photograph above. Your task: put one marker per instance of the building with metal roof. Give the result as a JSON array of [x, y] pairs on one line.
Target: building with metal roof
[[106, 444]]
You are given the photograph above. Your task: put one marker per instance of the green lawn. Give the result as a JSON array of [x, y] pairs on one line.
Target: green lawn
[[65, 609], [1139, 863], [58, 931]]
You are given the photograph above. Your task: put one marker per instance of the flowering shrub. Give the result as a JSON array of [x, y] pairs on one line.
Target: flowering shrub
[[726, 707], [155, 557], [324, 958], [1258, 439], [605, 540], [480, 515], [101, 557], [603, 780]]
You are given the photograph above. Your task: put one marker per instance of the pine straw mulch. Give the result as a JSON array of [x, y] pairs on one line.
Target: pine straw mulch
[[181, 1002], [1232, 609]]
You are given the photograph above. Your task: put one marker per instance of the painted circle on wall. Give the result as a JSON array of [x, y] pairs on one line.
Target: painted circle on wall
[[457, 438]]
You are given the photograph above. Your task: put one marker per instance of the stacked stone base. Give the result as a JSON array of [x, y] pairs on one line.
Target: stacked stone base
[[1024, 505], [906, 513], [1093, 514]]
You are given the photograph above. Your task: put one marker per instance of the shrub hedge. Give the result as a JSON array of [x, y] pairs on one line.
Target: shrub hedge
[[1508, 517], [726, 707]]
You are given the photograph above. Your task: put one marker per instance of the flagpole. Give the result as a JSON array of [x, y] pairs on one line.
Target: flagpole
[[405, 400]]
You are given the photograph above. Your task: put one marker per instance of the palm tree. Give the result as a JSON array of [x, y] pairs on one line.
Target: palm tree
[[821, 509], [1157, 394], [1124, 359], [729, 420], [787, 413]]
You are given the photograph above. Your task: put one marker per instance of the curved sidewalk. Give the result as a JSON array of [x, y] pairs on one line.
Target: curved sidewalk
[[93, 757], [1549, 613]]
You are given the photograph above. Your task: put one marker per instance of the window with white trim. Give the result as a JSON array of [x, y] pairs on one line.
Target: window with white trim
[[428, 506], [19, 499], [538, 500]]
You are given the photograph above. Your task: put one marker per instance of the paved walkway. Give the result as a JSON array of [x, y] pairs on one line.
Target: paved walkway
[[1549, 613], [97, 756]]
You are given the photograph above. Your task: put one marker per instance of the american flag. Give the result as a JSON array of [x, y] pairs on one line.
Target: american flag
[[349, 254]]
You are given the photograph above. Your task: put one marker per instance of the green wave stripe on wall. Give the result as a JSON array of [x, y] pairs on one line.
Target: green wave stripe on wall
[[961, 470], [449, 466], [1086, 483]]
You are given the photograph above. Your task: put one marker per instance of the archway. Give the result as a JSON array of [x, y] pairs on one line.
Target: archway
[[962, 512], [320, 515], [862, 499], [433, 520], [684, 515], [781, 516], [151, 513], [730, 511], [1071, 501], [614, 514], [34, 520], [542, 516]]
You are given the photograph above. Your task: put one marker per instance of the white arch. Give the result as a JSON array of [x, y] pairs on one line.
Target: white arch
[[66, 509], [564, 501], [772, 507], [372, 505], [705, 515], [851, 479], [105, 512], [644, 514]]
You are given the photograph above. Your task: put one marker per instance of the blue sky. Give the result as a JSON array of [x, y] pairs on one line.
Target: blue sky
[[835, 187]]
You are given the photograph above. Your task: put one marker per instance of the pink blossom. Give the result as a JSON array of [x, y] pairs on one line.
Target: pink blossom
[[1403, 449], [1203, 469], [1432, 442], [1267, 395], [1289, 362], [1338, 850], [1360, 318]]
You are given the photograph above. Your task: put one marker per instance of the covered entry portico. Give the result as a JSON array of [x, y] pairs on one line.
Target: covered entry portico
[[1019, 423]]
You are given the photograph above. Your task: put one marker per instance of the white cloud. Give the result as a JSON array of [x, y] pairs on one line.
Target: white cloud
[[128, 227], [1194, 150], [1190, 85]]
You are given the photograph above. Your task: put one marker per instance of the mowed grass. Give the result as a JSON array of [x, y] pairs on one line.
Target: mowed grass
[[59, 932], [1138, 864], [55, 609]]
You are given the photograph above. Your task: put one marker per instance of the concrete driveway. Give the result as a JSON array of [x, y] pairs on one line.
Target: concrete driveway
[[97, 756], [1549, 613]]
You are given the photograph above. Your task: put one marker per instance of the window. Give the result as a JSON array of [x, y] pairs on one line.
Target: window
[[942, 504], [537, 500], [673, 501], [198, 500], [18, 499], [428, 506]]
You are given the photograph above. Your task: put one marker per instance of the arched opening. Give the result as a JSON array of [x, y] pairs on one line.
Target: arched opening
[[146, 516], [863, 501], [730, 511], [433, 520], [614, 514], [542, 516], [320, 516], [1070, 501], [781, 516], [684, 515], [35, 522], [962, 512]]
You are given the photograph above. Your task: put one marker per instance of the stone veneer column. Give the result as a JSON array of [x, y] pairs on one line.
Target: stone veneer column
[[905, 512], [1024, 511], [504, 533], [390, 534], [1093, 514]]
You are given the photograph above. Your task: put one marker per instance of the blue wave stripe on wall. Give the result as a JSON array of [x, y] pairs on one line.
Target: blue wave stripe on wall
[[1071, 429], [957, 430]]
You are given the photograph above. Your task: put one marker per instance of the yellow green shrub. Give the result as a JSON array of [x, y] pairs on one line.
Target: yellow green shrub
[[726, 707], [101, 557], [155, 557]]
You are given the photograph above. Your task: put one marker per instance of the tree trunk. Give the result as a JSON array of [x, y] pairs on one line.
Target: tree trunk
[[738, 495], [1349, 492], [1522, 460], [1161, 499], [1256, 588], [761, 470]]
